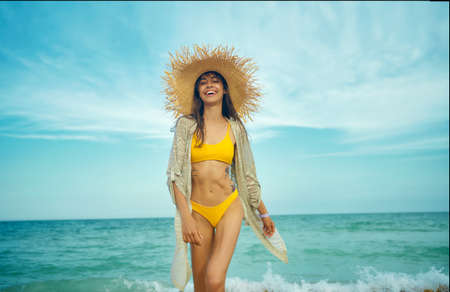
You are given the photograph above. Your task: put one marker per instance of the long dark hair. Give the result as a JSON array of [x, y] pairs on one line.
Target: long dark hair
[[198, 108]]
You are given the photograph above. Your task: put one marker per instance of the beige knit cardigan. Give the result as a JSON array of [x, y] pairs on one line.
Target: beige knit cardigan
[[243, 174]]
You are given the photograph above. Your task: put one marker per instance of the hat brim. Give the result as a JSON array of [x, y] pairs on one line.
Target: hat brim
[[186, 68]]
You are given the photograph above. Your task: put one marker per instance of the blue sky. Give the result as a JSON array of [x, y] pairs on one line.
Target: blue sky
[[355, 114]]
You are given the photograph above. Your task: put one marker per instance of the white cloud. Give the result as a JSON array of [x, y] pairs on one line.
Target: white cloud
[[112, 102], [257, 136], [381, 107], [434, 143], [60, 137], [366, 70], [362, 69]]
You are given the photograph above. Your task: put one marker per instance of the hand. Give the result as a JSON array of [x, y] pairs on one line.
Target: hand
[[190, 231], [269, 226]]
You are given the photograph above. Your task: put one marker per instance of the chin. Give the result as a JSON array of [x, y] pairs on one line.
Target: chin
[[211, 101]]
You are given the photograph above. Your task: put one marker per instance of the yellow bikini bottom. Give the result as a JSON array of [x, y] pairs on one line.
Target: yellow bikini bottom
[[214, 213]]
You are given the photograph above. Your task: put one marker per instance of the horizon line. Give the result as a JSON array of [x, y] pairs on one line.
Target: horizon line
[[168, 217]]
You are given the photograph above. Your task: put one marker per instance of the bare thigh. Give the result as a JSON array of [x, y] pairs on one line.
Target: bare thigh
[[225, 239], [200, 253]]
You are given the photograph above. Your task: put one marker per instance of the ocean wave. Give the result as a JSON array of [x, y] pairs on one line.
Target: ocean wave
[[370, 280]]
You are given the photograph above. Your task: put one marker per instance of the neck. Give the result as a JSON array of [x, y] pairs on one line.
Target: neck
[[213, 113]]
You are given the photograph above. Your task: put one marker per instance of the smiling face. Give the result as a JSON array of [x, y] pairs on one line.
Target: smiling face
[[210, 88]]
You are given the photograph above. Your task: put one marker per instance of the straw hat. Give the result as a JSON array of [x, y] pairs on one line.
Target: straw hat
[[186, 67]]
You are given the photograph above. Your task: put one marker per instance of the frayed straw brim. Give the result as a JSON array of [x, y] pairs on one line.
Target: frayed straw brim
[[187, 66]]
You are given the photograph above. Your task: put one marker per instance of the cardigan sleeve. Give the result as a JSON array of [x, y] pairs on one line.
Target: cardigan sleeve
[[253, 185], [176, 159]]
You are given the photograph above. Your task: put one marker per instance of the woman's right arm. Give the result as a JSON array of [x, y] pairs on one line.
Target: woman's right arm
[[175, 180], [189, 227], [180, 201]]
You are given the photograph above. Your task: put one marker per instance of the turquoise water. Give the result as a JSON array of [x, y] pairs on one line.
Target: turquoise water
[[335, 252]]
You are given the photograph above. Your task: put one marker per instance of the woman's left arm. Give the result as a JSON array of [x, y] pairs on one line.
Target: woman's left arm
[[269, 226], [254, 188], [253, 185], [262, 208]]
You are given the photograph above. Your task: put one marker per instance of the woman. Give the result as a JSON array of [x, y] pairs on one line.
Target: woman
[[210, 89]]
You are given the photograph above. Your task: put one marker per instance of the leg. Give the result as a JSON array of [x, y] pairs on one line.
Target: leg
[[225, 238], [200, 254]]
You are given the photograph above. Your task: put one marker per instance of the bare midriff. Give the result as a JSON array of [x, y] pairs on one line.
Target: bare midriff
[[211, 183]]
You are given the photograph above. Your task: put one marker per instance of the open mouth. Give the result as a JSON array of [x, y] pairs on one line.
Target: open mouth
[[210, 93]]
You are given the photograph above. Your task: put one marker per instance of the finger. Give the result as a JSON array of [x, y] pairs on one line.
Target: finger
[[197, 239], [191, 239], [268, 230], [194, 238]]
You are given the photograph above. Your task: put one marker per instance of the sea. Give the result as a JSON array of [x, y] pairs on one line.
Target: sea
[[327, 252]]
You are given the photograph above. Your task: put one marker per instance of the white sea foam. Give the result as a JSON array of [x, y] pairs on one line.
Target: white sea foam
[[370, 280]]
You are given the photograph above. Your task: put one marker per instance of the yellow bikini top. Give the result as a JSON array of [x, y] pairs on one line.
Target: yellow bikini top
[[222, 151]]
